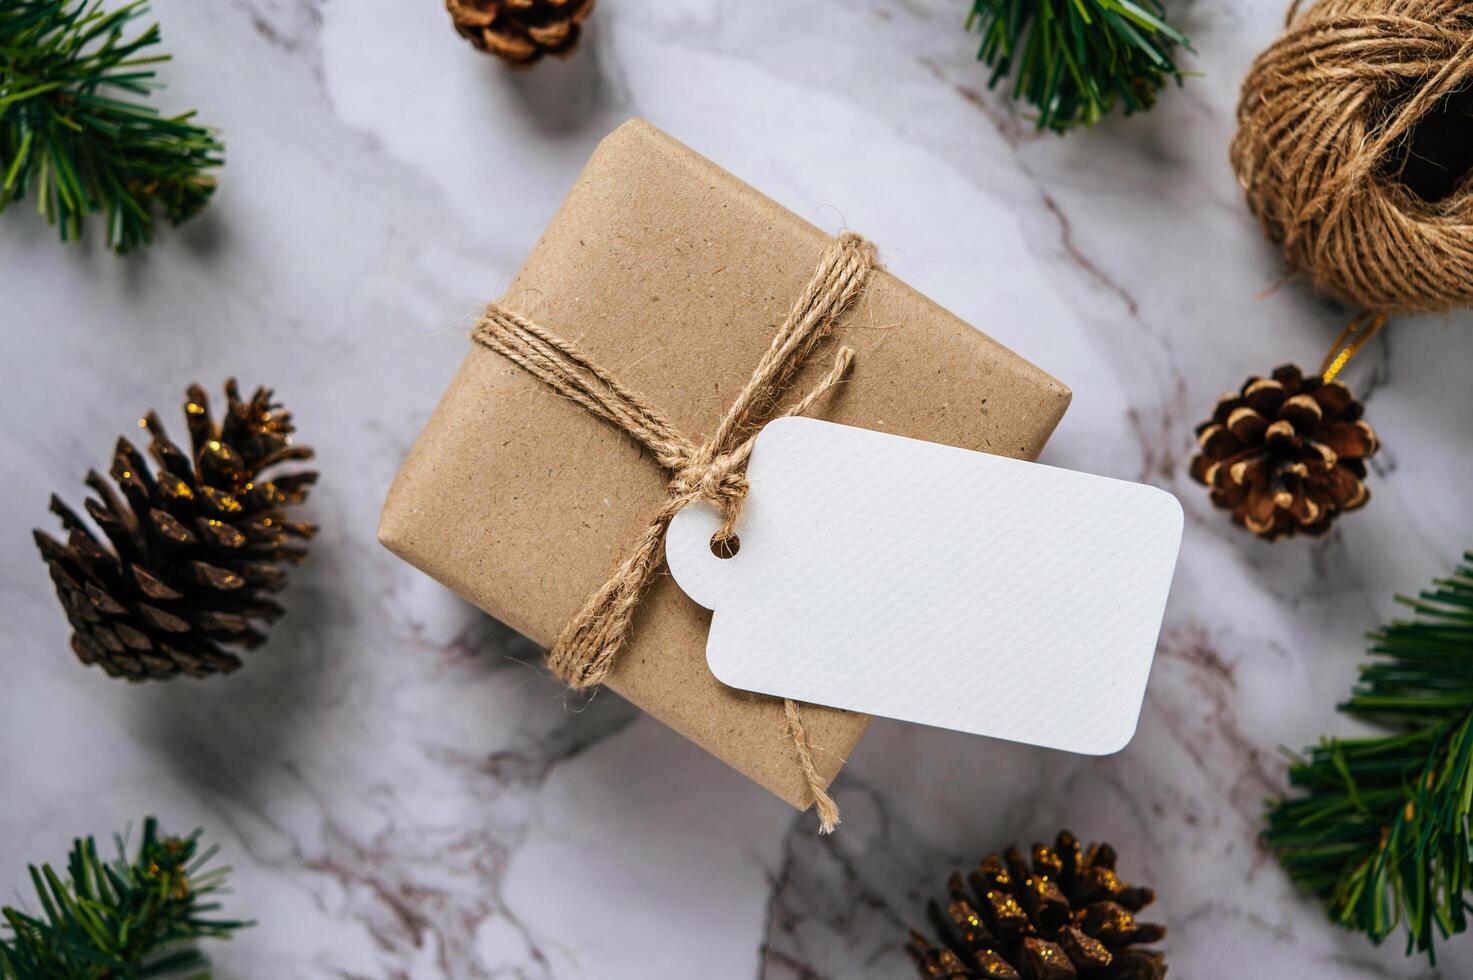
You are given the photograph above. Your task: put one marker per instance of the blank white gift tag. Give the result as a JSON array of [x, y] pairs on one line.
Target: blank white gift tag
[[936, 585]]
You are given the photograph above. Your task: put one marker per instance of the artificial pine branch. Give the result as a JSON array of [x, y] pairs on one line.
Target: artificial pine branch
[[124, 920], [1381, 832], [1073, 60], [73, 124]]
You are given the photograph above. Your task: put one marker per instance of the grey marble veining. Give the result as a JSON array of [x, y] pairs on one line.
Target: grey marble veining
[[401, 789]]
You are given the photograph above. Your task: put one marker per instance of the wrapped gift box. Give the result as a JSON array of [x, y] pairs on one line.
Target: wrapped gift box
[[672, 274]]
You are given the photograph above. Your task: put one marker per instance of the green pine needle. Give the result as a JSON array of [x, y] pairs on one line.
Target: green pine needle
[[75, 127], [1075, 60], [1380, 833], [124, 920]]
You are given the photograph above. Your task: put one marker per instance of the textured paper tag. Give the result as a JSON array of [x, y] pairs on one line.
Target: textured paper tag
[[936, 585]]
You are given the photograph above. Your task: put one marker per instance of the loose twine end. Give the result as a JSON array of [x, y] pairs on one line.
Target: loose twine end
[[823, 803]]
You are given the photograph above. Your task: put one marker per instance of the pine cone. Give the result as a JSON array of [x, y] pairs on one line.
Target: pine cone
[[1063, 915], [520, 31], [1286, 455], [194, 549]]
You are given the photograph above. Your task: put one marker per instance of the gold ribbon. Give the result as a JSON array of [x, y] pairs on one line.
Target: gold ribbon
[[1357, 334]]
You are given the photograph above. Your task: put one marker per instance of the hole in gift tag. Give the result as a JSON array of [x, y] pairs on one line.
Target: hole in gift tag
[[726, 547], [704, 566]]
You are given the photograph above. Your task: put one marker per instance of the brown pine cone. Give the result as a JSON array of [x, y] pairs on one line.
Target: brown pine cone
[[191, 551], [520, 31], [1286, 455], [1061, 914]]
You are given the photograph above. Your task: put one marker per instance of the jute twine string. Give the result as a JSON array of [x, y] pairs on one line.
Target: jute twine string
[[711, 471], [1324, 119]]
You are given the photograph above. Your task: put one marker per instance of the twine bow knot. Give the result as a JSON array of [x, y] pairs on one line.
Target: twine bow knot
[[713, 471], [721, 482]]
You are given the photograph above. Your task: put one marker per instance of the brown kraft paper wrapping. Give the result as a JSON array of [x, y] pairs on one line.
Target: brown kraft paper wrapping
[[673, 274]]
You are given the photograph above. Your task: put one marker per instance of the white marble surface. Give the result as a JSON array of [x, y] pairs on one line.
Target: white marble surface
[[401, 791]]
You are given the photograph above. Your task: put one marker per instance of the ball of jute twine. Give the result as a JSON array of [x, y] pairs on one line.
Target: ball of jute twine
[[1328, 123]]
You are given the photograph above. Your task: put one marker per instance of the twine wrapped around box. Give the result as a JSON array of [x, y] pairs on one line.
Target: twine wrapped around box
[[672, 276], [711, 471]]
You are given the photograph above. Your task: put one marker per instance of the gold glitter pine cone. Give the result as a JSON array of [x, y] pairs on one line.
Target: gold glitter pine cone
[[189, 554], [1062, 913], [520, 31], [1287, 454]]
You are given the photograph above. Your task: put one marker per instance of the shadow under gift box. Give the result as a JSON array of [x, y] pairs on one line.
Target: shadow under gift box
[[672, 275]]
